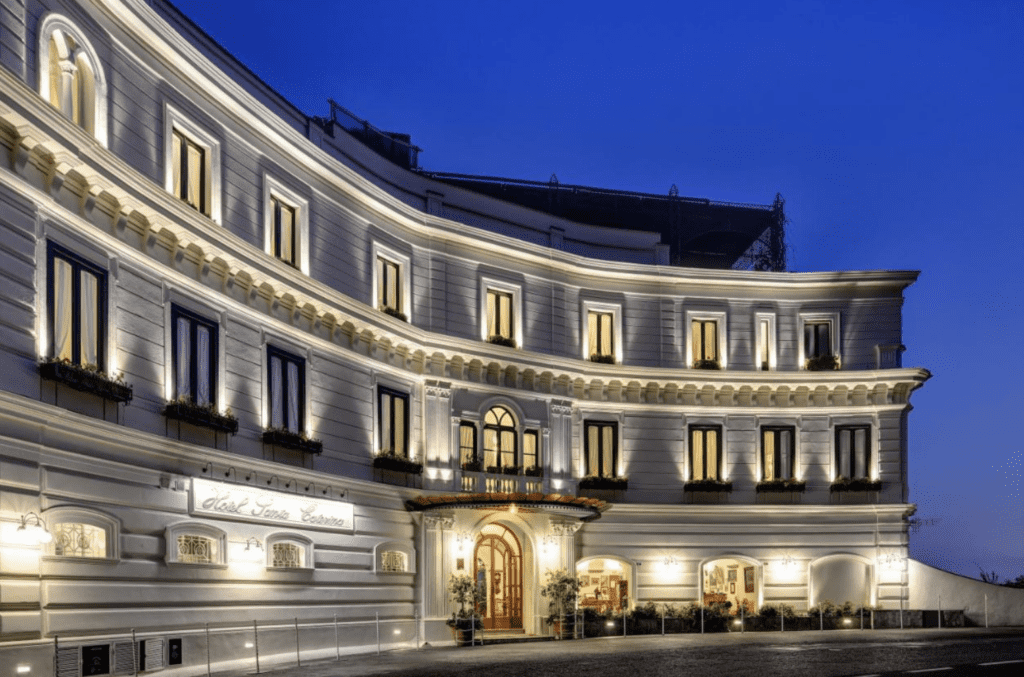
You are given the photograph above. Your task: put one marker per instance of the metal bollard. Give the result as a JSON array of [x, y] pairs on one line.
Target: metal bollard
[[207, 650], [298, 656], [743, 624], [986, 610], [135, 654], [377, 616], [702, 620], [337, 646], [256, 645]]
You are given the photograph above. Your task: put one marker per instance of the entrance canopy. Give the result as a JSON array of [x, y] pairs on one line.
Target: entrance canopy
[[586, 509]]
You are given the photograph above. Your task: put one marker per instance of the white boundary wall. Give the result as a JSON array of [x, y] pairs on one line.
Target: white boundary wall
[[932, 588]]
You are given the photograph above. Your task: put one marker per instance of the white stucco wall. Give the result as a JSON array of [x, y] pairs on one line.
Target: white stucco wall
[[931, 588]]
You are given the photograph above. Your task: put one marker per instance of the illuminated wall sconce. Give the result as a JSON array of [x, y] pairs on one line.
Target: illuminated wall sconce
[[252, 553], [462, 541], [670, 562], [891, 561], [512, 510], [32, 530], [24, 669], [549, 544]]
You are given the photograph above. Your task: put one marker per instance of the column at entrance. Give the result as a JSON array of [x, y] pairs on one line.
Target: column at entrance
[[565, 533]]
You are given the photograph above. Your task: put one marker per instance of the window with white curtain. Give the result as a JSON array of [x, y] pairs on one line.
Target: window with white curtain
[[190, 167], [705, 452], [777, 453], [467, 443], [500, 316], [817, 339], [853, 452], [72, 80], [393, 414], [704, 335], [286, 385], [285, 218], [531, 449], [601, 335], [500, 439], [195, 357], [601, 448], [77, 300]]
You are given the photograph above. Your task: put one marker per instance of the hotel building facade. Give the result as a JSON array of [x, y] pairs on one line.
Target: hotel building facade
[[251, 370]]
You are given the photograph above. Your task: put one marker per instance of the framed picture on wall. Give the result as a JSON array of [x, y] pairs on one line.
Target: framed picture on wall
[[732, 587], [748, 578], [732, 575], [460, 564]]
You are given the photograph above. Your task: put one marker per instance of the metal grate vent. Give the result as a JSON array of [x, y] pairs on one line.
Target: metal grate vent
[[67, 661]]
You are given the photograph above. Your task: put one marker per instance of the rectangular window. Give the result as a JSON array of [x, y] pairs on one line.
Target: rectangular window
[[287, 387], [601, 448], [705, 452], [189, 166], [531, 449], [817, 339], [195, 357], [704, 334], [601, 335], [853, 452], [77, 298], [393, 413], [777, 453], [284, 241], [389, 286], [467, 443], [500, 320]]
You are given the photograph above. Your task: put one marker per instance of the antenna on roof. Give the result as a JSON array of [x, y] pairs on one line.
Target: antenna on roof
[[553, 181]]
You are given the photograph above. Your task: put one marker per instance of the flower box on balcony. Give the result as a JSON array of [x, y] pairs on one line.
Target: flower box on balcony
[[856, 484], [86, 380], [534, 471], [595, 482], [502, 341], [707, 485], [386, 461], [507, 470], [603, 359], [473, 466], [395, 313], [707, 364], [200, 415], [781, 485], [822, 363], [292, 440]]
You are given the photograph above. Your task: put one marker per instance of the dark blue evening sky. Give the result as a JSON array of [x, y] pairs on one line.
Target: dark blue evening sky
[[894, 130]]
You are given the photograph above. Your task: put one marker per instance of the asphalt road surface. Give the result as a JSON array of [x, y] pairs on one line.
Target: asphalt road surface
[[974, 651]]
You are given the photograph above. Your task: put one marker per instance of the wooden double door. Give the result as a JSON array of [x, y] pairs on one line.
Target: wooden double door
[[498, 569]]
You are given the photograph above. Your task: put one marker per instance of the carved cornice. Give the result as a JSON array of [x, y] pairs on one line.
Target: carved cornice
[[156, 231], [439, 521]]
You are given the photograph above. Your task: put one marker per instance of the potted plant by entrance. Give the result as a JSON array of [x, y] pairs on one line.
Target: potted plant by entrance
[[466, 621], [561, 590]]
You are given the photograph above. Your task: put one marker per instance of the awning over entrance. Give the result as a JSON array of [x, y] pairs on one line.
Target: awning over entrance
[[586, 509]]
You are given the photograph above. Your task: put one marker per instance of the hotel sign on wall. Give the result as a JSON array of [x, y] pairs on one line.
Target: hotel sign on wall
[[231, 501]]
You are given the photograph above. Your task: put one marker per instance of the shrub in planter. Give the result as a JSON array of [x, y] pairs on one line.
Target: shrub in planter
[[707, 485], [465, 621], [502, 341], [856, 484], [707, 364], [534, 471], [781, 485], [822, 363], [561, 589], [595, 482], [395, 313], [473, 466], [86, 378], [388, 460], [289, 439], [205, 415], [507, 470]]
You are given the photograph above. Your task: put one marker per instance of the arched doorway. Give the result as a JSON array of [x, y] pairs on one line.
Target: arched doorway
[[498, 569], [732, 580]]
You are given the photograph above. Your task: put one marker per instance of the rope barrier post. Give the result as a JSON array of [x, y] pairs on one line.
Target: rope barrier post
[[702, 620], [662, 622], [337, 646], [743, 624], [821, 617], [782, 617], [862, 617], [207, 650], [376, 615], [901, 611], [940, 611], [298, 656], [135, 654], [623, 622], [256, 645], [986, 610]]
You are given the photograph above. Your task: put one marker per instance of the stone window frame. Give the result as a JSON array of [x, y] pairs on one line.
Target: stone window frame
[[720, 318], [174, 119], [79, 515], [816, 317], [304, 543], [773, 341], [602, 307], [53, 23], [190, 528], [387, 546], [274, 188], [403, 261], [489, 284]]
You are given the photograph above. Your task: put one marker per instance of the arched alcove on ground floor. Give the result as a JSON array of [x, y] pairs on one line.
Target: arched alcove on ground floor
[[841, 578], [607, 584], [732, 579]]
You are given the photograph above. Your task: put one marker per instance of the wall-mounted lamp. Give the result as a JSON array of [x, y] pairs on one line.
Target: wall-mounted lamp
[[32, 530], [272, 478], [462, 540], [512, 509], [253, 544], [230, 472], [670, 562], [890, 561]]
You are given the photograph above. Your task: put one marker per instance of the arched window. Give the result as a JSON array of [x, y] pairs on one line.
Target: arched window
[[289, 551], [70, 76], [83, 534], [500, 439], [196, 543]]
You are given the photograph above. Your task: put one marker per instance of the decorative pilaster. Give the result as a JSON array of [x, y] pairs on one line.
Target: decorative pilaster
[[437, 438], [559, 440], [435, 565], [565, 533]]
